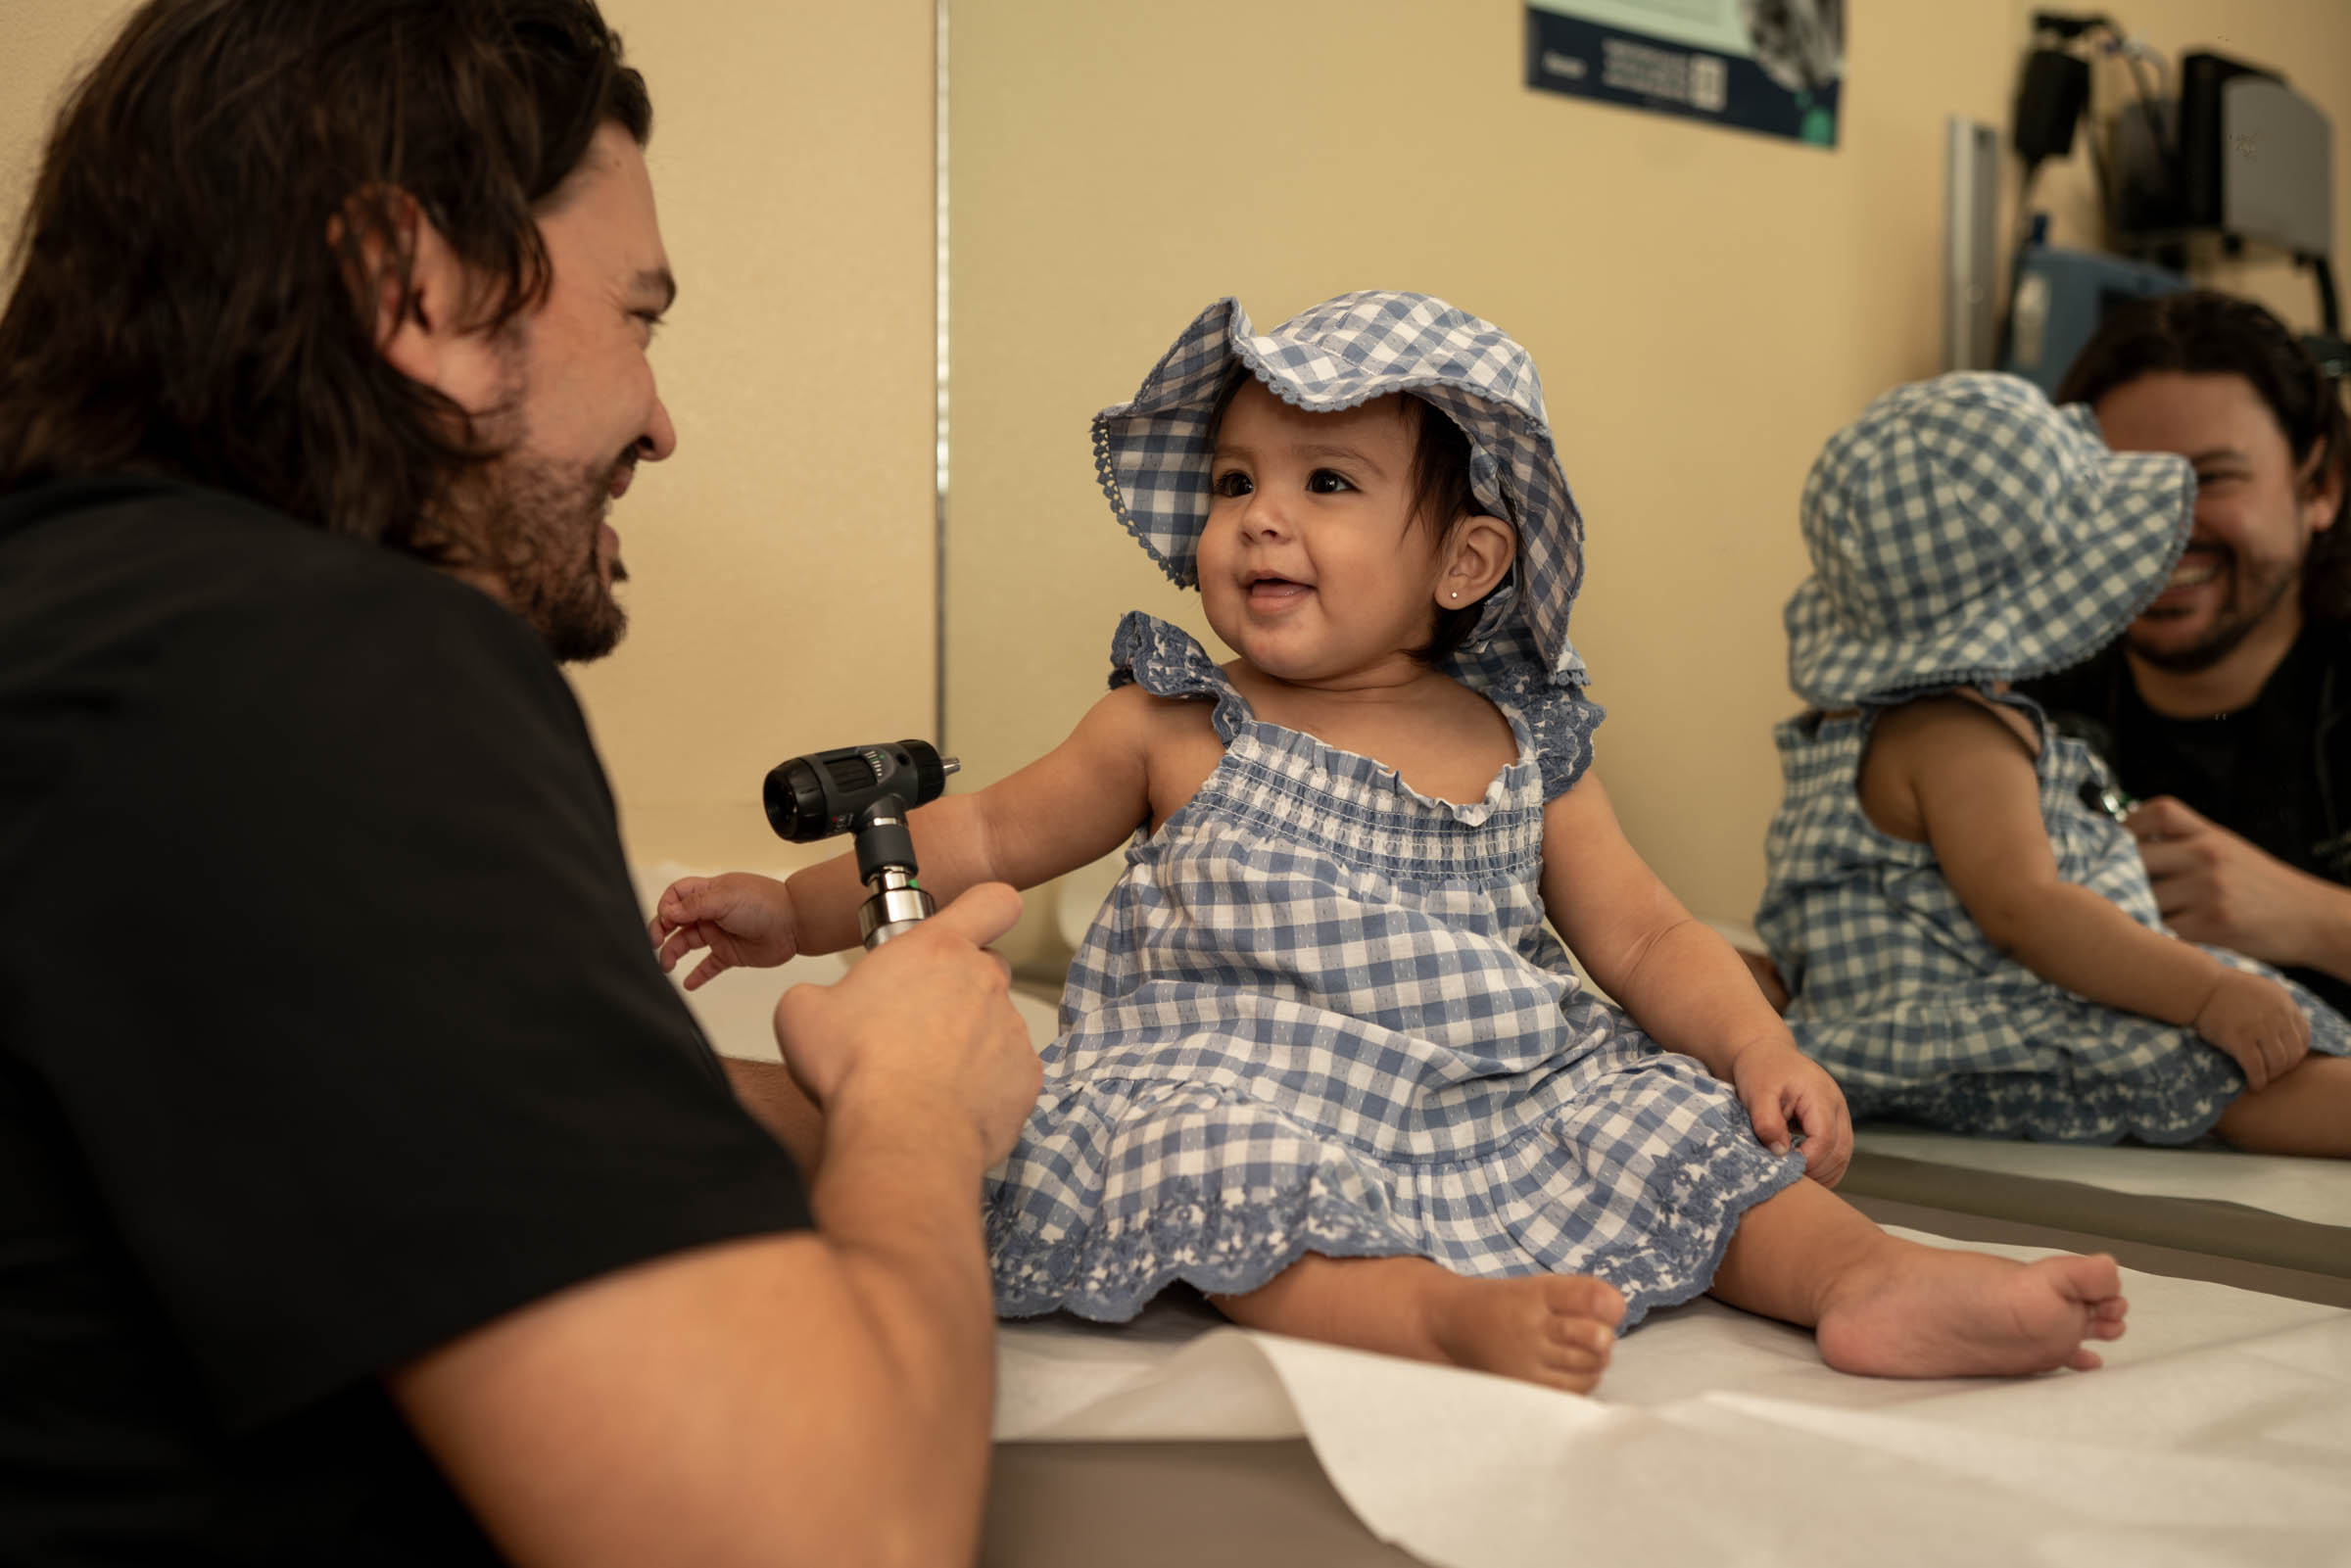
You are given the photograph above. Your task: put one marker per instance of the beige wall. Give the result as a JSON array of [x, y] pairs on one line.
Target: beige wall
[[1705, 307], [47, 42], [783, 562]]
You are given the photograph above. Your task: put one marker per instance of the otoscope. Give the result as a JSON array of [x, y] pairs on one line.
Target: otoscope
[[866, 791]]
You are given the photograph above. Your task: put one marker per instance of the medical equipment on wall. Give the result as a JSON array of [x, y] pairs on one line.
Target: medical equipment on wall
[[2230, 156], [865, 790]]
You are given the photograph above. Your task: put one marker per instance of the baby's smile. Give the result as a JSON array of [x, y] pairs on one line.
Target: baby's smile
[[1269, 590]]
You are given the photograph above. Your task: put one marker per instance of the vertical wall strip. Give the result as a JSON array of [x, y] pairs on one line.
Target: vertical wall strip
[[939, 516]]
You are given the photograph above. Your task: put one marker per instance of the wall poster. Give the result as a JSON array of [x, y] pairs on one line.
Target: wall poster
[[1768, 66]]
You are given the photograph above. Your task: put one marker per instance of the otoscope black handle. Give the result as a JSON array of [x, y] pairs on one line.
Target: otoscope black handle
[[820, 795]]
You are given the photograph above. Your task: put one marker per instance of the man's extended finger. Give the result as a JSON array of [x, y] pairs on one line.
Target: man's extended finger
[[982, 914]]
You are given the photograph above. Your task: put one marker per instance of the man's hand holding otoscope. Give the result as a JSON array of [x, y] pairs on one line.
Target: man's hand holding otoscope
[[744, 919], [885, 1023]]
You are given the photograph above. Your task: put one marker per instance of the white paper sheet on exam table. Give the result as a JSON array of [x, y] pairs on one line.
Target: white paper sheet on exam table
[[2219, 1433]]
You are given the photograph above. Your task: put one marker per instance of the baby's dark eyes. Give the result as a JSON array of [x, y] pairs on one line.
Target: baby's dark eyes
[[1322, 481]]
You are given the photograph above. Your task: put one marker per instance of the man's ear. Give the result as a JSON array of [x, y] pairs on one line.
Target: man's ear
[[420, 301], [1477, 558], [2322, 490]]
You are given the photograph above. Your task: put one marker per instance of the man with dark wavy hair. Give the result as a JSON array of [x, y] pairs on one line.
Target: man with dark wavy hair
[[365, 1193], [2226, 708]]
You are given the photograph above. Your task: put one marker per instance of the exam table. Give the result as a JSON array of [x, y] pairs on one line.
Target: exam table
[[2219, 1432]]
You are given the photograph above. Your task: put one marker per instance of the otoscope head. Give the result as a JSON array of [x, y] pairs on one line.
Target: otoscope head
[[820, 795]]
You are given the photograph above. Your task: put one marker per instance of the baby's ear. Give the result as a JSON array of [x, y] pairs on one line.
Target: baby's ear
[[1477, 558]]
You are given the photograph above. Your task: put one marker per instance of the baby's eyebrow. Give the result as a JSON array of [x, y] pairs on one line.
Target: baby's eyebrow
[[1304, 452], [1311, 450]]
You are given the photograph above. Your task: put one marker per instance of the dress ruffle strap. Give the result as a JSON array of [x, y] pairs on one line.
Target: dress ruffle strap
[[1558, 716], [1167, 661]]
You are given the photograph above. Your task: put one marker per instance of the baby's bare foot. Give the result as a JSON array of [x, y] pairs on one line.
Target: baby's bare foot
[[1553, 1329], [1931, 1311]]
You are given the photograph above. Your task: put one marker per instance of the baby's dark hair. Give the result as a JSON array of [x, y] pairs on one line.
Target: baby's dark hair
[[1442, 497]]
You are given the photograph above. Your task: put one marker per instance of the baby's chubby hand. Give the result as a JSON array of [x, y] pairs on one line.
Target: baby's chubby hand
[[2257, 1022], [1784, 1090], [742, 918]]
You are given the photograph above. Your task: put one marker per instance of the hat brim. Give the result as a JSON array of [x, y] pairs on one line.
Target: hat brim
[[2131, 528]]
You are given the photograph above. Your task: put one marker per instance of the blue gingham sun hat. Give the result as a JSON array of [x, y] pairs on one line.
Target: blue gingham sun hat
[[1963, 531], [1154, 453]]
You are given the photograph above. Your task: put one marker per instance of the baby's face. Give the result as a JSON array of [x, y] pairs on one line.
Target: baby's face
[[1310, 565]]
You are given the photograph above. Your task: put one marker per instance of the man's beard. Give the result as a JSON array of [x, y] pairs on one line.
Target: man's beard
[[532, 525], [2229, 631]]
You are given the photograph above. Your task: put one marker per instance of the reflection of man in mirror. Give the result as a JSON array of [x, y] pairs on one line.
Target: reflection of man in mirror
[[1799, 43], [2225, 707]]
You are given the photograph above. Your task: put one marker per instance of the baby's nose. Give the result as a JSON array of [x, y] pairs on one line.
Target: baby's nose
[[1264, 515]]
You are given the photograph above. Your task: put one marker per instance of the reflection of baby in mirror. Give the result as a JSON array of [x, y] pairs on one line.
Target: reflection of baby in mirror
[[1320, 1058], [1969, 940]]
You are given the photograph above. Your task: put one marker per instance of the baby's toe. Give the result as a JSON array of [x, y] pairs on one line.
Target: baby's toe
[[1582, 1336], [1580, 1296]]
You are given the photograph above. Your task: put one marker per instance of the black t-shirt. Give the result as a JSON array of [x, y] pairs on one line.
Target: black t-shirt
[[2276, 772], [327, 1029]]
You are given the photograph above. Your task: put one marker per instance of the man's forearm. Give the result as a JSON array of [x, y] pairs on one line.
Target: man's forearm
[[2331, 929], [766, 1090], [898, 1205], [781, 1400]]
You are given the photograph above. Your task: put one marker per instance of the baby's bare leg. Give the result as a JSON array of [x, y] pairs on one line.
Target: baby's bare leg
[[1554, 1329], [2305, 1110], [1889, 1308]]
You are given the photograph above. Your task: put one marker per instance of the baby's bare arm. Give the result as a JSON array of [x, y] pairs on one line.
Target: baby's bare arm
[[1970, 781], [1074, 804], [1681, 983]]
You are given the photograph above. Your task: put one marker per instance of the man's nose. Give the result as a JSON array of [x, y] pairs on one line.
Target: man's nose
[[661, 437]]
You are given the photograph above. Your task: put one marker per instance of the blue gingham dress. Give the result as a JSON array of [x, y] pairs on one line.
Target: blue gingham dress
[[1899, 995], [1320, 1012]]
